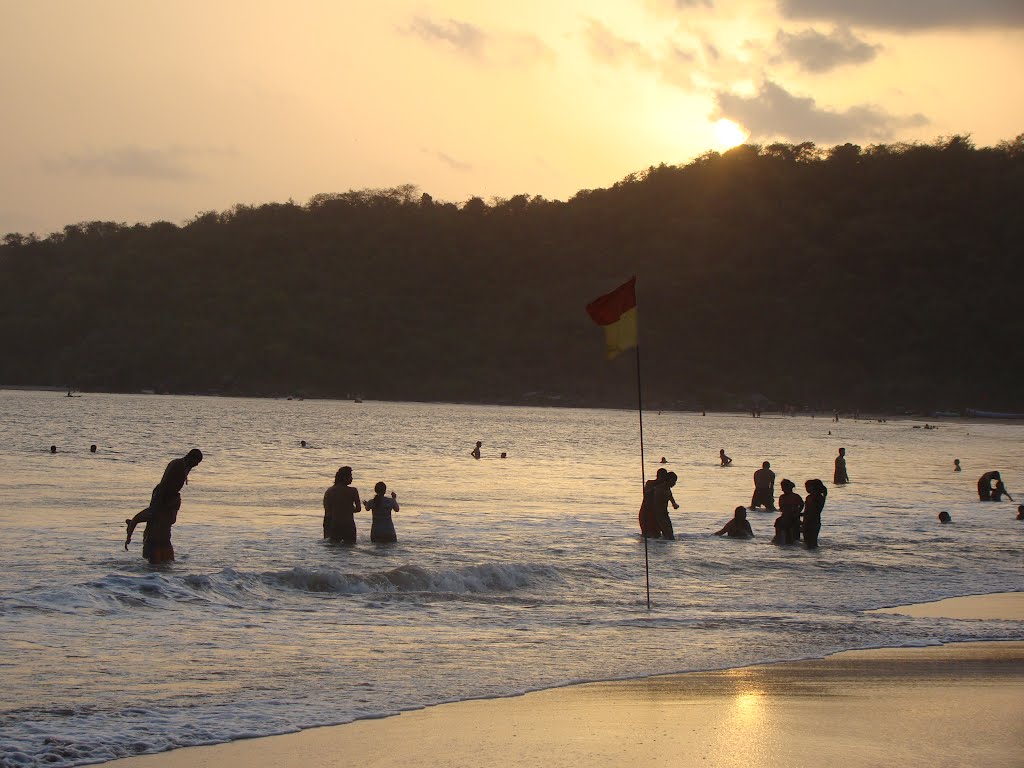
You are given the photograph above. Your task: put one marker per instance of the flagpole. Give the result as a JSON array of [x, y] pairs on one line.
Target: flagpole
[[643, 473]]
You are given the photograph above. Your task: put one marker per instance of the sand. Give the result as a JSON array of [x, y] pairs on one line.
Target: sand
[[953, 705]]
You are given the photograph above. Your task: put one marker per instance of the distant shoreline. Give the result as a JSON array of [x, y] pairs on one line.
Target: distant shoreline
[[866, 416]]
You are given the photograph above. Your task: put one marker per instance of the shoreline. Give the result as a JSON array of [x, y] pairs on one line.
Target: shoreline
[[557, 402], [864, 707]]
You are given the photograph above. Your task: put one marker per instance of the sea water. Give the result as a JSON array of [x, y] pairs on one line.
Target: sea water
[[509, 574]]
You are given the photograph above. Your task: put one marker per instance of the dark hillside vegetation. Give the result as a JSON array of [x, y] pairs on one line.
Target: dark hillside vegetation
[[887, 277]]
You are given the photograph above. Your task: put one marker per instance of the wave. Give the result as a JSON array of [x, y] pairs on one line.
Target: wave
[[116, 592]]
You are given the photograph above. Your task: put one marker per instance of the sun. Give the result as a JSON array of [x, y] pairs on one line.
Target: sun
[[728, 134]]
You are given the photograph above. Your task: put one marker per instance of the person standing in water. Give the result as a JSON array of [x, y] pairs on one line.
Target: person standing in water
[[341, 502], [475, 453], [663, 500], [764, 488], [382, 529], [162, 512], [956, 465], [814, 503], [787, 525], [841, 477], [726, 461]]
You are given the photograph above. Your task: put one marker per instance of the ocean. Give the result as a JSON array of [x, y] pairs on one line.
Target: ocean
[[510, 574]]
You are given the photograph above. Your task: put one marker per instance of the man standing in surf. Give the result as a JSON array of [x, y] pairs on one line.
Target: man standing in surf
[[162, 511]]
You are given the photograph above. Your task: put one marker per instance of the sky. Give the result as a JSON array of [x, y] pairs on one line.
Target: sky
[[140, 110]]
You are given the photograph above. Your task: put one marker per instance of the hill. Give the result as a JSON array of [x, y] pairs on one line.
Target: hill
[[844, 278]]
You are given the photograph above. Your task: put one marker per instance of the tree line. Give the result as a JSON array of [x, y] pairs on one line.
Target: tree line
[[885, 277]]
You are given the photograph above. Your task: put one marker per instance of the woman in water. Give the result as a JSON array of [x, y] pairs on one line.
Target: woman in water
[[813, 504], [738, 527], [382, 529], [787, 524]]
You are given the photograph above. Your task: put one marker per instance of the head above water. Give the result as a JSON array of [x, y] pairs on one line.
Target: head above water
[[53, 449], [92, 448], [1020, 512], [193, 457], [343, 475], [944, 517]]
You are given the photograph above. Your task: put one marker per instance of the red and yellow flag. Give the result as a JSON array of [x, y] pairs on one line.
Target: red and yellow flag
[[616, 312]]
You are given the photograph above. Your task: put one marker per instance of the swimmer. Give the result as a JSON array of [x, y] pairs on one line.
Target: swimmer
[[1020, 512], [738, 527], [956, 465], [53, 449], [475, 453], [944, 517], [726, 461], [92, 448]]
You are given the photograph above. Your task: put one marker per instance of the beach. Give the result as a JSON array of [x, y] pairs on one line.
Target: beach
[[951, 705]]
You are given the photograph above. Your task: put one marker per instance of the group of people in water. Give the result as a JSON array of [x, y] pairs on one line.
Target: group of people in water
[[341, 503], [799, 518]]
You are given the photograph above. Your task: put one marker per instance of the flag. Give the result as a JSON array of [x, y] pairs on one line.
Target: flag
[[616, 312]]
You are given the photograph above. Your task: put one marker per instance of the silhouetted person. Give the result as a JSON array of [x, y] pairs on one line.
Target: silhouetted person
[[726, 461], [92, 448], [504, 455], [162, 512], [944, 517], [1020, 512], [814, 503], [956, 465], [382, 529], [764, 488], [341, 502], [53, 449], [657, 495], [475, 453], [999, 491], [664, 520], [787, 524], [738, 527], [985, 485], [302, 443], [663, 460], [841, 477]]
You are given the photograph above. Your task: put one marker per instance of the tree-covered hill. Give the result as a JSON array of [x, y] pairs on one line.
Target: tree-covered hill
[[845, 278]]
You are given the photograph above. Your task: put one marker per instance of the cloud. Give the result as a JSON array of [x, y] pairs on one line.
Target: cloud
[[674, 65], [451, 162], [909, 14], [817, 52], [606, 46], [774, 113], [470, 40], [464, 37], [160, 164]]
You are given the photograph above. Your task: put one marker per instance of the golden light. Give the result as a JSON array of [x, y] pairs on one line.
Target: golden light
[[728, 134]]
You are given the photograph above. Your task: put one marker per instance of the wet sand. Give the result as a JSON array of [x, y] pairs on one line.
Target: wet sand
[[953, 705]]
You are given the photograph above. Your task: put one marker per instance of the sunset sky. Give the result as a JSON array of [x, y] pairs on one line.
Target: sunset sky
[[137, 110]]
